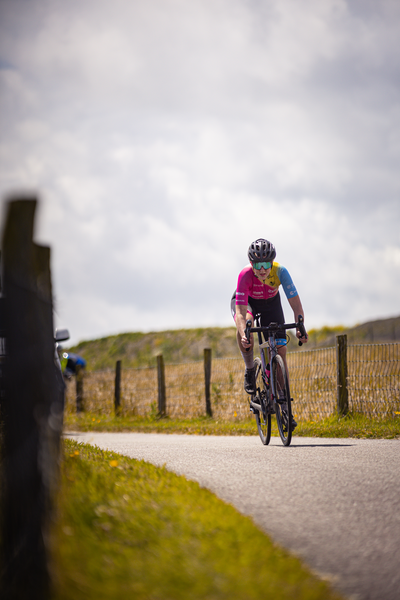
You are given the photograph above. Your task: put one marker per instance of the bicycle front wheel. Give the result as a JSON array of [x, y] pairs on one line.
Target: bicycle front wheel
[[282, 405], [263, 416]]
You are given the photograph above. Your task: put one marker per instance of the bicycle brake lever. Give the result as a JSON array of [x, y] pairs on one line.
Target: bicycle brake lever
[[247, 332], [302, 329]]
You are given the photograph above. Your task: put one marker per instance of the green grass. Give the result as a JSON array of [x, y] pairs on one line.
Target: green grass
[[199, 425], [352, 426], [128, 529], [357, 426]]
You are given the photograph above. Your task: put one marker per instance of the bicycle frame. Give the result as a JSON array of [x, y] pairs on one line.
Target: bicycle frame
[[271, 343], [272, 396], [271, 346]]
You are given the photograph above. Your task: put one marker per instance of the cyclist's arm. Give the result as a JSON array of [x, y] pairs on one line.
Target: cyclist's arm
[[297, 308], [241, 312]]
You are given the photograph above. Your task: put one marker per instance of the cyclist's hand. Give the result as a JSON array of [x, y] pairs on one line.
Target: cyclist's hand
[[303, 339], [244, 341]]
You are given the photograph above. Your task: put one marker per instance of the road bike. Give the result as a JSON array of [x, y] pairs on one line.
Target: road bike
[[272, 395]]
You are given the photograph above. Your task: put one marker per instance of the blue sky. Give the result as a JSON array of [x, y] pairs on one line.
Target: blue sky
[[162, 137]]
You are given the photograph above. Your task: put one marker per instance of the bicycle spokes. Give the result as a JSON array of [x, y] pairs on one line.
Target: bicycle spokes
[[260, 398], [282, 400]]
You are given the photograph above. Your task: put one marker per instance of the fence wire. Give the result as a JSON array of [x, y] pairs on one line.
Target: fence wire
[[374, 379], [312, 375], [373, 384]]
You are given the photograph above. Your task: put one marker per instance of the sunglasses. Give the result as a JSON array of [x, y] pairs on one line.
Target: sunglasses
[[258, 265]]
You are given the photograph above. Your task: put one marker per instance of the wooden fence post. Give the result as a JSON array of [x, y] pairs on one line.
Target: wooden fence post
[[117, 394], [341, 363], [207, 379], [79, 372], [162, 401], [32, 404]]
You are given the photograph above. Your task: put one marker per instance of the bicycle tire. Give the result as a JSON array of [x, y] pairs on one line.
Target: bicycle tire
[[282, 404], [263, 419]]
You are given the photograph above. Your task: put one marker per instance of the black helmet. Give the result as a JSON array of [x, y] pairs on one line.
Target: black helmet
[[261, 250]]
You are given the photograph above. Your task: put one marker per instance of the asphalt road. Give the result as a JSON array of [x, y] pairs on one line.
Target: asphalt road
[[335, 503]]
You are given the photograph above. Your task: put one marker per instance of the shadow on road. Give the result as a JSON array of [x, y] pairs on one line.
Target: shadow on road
[[319, 445]]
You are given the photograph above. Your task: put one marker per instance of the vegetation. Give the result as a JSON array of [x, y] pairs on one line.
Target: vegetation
[[353, 425], [381, 330], [140, 349], [187, 345], [129, 529], [322, 336]]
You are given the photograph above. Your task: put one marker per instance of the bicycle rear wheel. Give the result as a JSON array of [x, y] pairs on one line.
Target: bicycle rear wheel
[[263, 417], [283, 405]]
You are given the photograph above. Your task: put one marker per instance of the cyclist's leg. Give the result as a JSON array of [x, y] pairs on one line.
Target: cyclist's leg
[[247, 353], [281, 347]]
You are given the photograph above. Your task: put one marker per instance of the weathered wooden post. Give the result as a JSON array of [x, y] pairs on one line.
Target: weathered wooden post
[[162, 401], [79, 374], [117, 392], [207, 379], [341, 363], [32, 404]]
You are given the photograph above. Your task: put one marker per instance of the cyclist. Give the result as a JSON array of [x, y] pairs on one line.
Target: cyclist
[[71, 364], [258, 292]]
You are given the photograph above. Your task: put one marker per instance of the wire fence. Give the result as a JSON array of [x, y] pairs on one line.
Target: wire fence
[[373, 386], [313, 383], [374, 379]]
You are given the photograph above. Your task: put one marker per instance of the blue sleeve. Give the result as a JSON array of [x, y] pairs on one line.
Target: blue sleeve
[[80, 361], [287, 283]]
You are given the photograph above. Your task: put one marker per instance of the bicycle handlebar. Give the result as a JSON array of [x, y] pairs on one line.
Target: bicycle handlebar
[[276, 327]]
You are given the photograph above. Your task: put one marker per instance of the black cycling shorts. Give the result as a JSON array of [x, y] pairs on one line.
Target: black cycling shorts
[[271, 311]]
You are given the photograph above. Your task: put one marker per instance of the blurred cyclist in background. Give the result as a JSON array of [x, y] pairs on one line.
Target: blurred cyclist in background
[[71, 363]]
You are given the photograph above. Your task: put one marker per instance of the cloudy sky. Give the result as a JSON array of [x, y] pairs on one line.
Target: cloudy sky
[[163, 136]]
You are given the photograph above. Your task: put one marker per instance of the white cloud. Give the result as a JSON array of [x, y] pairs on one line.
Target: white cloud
[[164, 137]]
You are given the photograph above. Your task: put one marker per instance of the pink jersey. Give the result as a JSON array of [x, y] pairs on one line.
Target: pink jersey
[[249, 285]]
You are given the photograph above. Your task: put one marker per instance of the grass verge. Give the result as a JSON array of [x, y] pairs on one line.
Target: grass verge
[[353, 425], [126, 528]]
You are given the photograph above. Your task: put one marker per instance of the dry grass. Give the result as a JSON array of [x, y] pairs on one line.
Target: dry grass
[[373, 382], [184, 385]]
